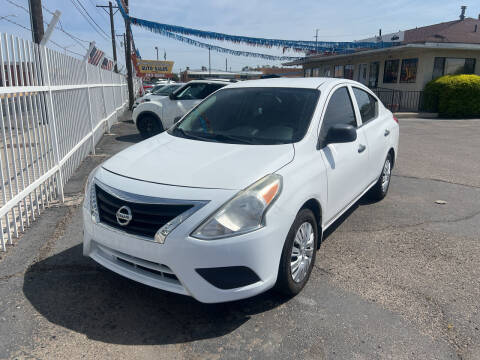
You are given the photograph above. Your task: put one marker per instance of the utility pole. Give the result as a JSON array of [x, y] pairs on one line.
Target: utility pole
[[316, 41], [36, 20], [128, 55], [114, 44], [112, 30]]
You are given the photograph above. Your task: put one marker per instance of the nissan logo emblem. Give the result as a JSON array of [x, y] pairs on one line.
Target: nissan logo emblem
[[124, 216]]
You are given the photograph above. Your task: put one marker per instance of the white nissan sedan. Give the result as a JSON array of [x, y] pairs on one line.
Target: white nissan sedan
[[234, 198]]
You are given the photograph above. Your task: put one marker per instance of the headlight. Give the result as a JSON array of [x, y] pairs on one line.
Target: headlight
[[90, 200], [244, 213]]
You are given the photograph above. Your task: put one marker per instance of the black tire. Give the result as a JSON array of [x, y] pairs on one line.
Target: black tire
[[378, 191], [285, 282], [149, 125]]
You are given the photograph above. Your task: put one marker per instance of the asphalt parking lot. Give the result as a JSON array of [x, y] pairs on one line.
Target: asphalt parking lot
[[399, 279]]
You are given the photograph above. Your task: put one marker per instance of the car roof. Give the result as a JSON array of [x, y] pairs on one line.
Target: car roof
[[210, 81], [306, 83]]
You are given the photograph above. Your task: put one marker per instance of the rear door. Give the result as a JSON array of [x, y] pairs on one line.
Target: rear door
[[377, 128], [346, 163]]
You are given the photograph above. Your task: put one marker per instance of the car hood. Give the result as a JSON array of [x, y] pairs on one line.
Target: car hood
[[171, 160]]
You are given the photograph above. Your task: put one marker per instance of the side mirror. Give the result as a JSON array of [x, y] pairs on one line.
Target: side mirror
[[340, 134], [171, 96]]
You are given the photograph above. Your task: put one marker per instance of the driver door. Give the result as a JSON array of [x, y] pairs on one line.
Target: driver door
[[346, 163]]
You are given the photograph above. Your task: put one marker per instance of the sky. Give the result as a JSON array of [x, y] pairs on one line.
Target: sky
[[340, 20]]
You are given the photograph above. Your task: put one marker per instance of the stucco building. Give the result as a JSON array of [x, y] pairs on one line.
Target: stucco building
[[419, 55]]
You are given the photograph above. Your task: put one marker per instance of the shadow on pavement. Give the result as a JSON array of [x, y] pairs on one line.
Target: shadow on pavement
[[365, 200], [131, 138], [72, 291]]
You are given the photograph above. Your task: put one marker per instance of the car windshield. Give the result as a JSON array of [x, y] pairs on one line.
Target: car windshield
[[257, 116], [165, 90], [157, 88]]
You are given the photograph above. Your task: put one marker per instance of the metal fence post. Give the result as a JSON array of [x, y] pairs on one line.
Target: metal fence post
[[107, 128], [90, 115], [53, 125], [114, 89]]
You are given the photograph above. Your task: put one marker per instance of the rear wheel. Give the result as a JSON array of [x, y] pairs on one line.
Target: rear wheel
[[298, 255], [149, 125], [380, 189]]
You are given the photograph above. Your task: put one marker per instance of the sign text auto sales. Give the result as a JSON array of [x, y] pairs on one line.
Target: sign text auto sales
[[155, 67]]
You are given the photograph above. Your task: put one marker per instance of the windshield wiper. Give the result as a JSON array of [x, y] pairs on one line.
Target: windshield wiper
[[189, 135], [213, 137], [237, 139]]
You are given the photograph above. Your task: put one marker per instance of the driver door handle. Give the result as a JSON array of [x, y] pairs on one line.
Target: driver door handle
[[387, 132], [361, 148]]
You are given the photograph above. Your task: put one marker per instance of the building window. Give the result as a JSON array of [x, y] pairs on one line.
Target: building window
[[373, 75], [338, 71], [455, 66], [308, 72], [408, 74], [452, 66], [390, 73], [348, 73]]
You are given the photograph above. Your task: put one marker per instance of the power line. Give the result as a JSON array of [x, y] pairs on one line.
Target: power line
[[53, 42], [98, 11], [15, 23], [88, 17], [60, 28], [88, 14]]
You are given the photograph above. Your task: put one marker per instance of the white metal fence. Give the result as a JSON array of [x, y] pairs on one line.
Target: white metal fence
[[54, 109]]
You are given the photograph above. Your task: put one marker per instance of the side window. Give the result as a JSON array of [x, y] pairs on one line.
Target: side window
[[210, 88], [339, 111], [192, 91], [367, 104]]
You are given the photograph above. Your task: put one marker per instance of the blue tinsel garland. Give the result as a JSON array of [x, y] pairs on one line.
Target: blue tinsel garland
[[173, 32]]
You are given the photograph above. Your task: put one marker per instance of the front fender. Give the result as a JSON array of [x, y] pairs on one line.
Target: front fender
[[148, 107]]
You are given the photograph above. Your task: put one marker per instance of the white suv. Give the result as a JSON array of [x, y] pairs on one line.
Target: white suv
[[233, 199], [157, 115]]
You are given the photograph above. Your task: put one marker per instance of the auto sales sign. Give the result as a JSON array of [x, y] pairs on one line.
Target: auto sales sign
[[154, 67]]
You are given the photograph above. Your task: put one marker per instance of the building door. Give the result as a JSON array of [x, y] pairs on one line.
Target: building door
[[373, 75], [362, 74]]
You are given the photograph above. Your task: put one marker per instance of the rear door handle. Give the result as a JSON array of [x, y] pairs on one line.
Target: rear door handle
[[387, 132], [361, 148]]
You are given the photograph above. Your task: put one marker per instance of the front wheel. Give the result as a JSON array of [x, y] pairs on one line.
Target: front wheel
[[380, 189], [298, 255], [148, 126]]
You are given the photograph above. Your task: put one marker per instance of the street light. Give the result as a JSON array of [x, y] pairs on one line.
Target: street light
[[156, 48]]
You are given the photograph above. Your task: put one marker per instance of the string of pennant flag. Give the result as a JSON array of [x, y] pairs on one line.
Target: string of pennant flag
[[179, 32], [96, 55]]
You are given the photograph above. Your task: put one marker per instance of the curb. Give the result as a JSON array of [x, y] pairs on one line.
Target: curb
[[415, 115]]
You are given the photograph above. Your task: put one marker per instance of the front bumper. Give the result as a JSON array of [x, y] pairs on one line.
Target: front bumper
[[172, 266]]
